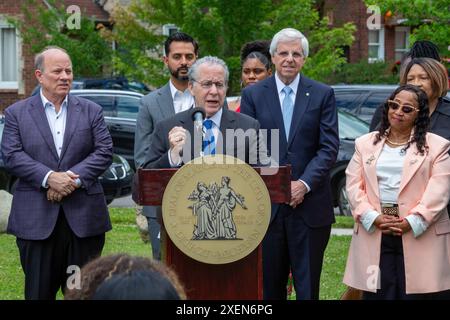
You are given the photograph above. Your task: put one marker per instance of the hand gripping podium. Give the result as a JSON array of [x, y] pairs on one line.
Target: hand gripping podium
[[238, 280]]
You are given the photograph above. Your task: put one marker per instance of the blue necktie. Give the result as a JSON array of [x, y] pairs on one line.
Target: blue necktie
[[209, 144], [287, 108]]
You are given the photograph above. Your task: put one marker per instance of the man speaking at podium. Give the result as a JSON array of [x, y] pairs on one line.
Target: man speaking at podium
[[208, 80]]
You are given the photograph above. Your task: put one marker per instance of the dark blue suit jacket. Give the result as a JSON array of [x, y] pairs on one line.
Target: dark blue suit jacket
[[29, 153], [313, 141]]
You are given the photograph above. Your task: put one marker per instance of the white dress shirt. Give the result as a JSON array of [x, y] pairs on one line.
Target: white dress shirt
[[389, 173], [182, 100], [294, 86], [57, 124]]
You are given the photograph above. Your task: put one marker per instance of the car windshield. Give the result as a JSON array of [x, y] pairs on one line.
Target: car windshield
[[350, 126]]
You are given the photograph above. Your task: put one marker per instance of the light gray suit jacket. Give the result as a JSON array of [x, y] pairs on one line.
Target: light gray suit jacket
[[156, 106]]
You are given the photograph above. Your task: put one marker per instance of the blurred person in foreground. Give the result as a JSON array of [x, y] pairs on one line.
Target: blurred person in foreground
[[125, 277]]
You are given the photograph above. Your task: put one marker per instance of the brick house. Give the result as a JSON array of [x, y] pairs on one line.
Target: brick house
[[388, 43], [17, 79]]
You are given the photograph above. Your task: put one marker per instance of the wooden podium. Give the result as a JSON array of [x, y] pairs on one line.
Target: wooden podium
[[239, 280]]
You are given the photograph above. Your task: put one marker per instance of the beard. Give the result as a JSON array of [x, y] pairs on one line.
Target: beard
[[176, 73]]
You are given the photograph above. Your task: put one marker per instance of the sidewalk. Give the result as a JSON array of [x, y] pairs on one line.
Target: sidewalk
[[341, 232]]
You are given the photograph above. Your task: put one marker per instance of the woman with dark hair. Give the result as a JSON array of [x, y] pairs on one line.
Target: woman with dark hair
[[256, 66], [398, 184], [424, 54]]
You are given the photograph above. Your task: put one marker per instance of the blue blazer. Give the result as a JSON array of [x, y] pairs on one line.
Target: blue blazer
[[29, 153], [313, 141]]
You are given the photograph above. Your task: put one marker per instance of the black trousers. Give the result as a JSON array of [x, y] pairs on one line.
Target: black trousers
[[290, 244], [392, 272], [45, 262]]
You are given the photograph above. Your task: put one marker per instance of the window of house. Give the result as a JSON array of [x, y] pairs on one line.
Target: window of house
[[8, 57], [169, 29], [401, 42], [376, 45]]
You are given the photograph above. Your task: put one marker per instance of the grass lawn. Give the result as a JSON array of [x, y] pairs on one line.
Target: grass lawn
[[125, 238], [344, 222]]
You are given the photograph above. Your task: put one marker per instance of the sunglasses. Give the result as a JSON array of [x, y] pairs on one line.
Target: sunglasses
[[394, 105]]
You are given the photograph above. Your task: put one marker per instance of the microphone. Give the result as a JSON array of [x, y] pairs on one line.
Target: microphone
[[198, 114]]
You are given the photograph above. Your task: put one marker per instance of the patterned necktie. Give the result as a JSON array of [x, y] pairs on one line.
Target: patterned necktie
[[287, 108], [209, 144]]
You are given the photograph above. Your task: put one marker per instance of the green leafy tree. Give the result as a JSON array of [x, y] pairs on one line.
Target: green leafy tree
[[221, 28], [40, 26], [138, 44], [430, 19]]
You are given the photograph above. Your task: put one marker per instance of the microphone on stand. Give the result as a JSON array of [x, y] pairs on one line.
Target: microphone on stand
[[198, 114]]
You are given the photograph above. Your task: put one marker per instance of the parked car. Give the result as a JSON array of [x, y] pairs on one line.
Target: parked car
[[361, 100], [350, 128], [116, 180], [114, 83], [120, 109]]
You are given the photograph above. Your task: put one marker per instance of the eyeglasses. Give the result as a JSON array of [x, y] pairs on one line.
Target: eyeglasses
[[208, 84], [394, 105], [295, 54]]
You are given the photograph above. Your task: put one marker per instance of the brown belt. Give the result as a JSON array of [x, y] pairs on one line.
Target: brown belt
[[390, 209]]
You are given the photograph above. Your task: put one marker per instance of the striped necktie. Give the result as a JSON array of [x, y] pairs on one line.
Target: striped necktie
[[209, 144]]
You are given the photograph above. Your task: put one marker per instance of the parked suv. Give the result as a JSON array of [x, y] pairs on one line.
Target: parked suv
[[120, 109], [361, 100]]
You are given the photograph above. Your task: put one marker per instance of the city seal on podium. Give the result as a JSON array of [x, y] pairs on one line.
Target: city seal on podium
[[216, 209]]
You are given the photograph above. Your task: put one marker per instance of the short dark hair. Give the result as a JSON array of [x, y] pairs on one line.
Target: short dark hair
[[420, 49], [424, 49], [179, 37], [258, 49]]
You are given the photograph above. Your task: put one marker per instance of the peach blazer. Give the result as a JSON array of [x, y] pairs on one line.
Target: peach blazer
[[424, 189]]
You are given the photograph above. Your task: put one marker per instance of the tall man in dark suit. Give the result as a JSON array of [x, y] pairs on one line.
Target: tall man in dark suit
[[208, 79], [57, 145], [305, 113], [181, 52]]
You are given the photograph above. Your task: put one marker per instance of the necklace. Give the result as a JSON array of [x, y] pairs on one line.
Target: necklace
[[396, 143]]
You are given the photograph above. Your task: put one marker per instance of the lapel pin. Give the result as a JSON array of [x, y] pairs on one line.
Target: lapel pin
[[307, 94], [369, 161]]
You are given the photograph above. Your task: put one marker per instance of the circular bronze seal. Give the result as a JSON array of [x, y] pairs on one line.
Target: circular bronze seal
[[217, 209]]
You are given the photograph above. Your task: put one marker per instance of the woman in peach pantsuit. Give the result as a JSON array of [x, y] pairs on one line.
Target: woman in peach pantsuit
[[398, 184]]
